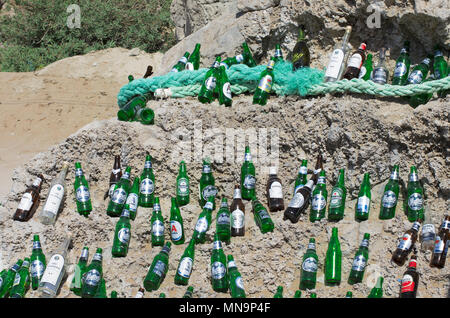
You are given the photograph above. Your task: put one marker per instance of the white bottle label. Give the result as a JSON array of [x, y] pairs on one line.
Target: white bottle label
[[265, 84], [415, 202], [438, 245], [355, 61], [158, 228], [185, 267], [202, 225], [183, 187], [176, 230], [160, 268], [276, 191], [334, 66], [362, 72], [389, 199], [249, 182], [428, 232], [415, 77], [310, 265], [318, 202], [239, 58], [83, 194], [223, 219], [209, 191], [218, 270], [124, 235], [132, 202], [147, 186], [363, 205], [336, 198], [237, 219], [119, 196], [227, 90], [54, 199], [92, 278], [26, 202], [359, 263], [189, 66], [400, 69], [54, 270], [297, 201], [239, 282], [210, 83], [37, 268], [405, 243], [379, 75]]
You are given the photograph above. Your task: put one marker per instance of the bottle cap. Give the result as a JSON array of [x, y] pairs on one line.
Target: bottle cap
[[272, 170]]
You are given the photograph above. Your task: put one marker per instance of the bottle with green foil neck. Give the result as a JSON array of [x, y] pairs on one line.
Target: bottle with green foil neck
[[132, 202], [122, 235], [176, 223], [206, 94], [189, 292], [278, 54], [261, 216], [37, 263], [182, 191], [223, 222], [180, 66], [229, 61], [362, 208], [248, 57], [82, 194], [337, 201], [308, 272], [21, 281], [319, 199], [157, 222], [119, 195], [360, 261], [147, 187], [236, 283], [349, 294], [333, 260], [206, 186], [80, 270], [367, 68], [377, 290], [264, 88], [402, 65], [93, 277], [193, 62], [219, 277], [203, 222], [301, 179], [248, 176], [158, 269], [279, 292], [415, 206], [390, 196], [185, 265]]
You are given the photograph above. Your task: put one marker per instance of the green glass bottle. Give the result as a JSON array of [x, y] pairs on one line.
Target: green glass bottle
[[193, 62], [261, 216], [367, 68], [206, 94], [9, 279], [248, 57], [349, 294], [279, 292], [223, 225], [132, 202], [298, 294], [176, 223], [419, 72], [360, 261], [185, 265], [377, 290], [333, 260], [157, 222], [219, 277], [421, 99], [248, 176], [278, 54], [183, 192], [301, 179], [203, 222], [235, 282], [206, 187], [80, 270], [158, 270], [313, 295], [122, 235], [2, 277], [82, 194], [129, 110], [130, 78], [225, 97], [162, 295], [93, 277], [21, 281], [145, 116], [390, 196], [319, 199], [101, 291], [38, 263], [300, 53], [189, 292], [310, 263], [362, 208], [415, 208], [120, 194], [266, 80], [113, 294], [147, 187], [229, 61], [337, 200], [440, 67], [180, 66], [402, 65]]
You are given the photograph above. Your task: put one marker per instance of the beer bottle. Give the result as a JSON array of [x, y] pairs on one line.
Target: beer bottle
[[115, 176], [145, 116], [2, 277], [180, 66], [8, 279], [301, 177], [410, 280], [113, 294], [274, 191], [308, 271], [162, 295], [406, 244], [402, 66], [419, 72], [185, 265], [206, 187], [203, 222], [390, 196], [232, 60], [236, 283], [193, 62], [279, 292], [157, 221], [38, 263], [21, 280], [337, 200], [377, 290], [248, 57], [206, 94], [441, 244], [261, 216], [82, 194], [360, 261], [237, 209], [440, 68], [317, 168], [54, 198], [363, 204], [55, 270], [132, 202], [423, 98], [176, 223], [120, 194], [298, 294], [219, 277], [428, 233], [223, 225], [313, 295], [366, 69], [349, 294], [93, 276], [129, 111], [337, 62], [158, 270], [29, 202], [189, 292], [122, 235], [415, 196], [147, 188], [101, 291], [333, 260], [319, 199], [224, 87], [248, 178], [380, 73], [183, 191], [299, 202], [300, 53], [80, 270], [140, 293], [278, 54], [130, 78], [355, 62], [264, 87]]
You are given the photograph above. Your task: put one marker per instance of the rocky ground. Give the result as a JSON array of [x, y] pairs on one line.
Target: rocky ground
[[358, 133]]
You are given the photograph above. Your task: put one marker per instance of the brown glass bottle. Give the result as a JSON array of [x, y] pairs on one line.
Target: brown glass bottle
[[355, 62], [441, 244], [237, 209], [30, 201], [115, 176], [406, 244], [274, 191], [317, 168], [410, 280], [299, 202]]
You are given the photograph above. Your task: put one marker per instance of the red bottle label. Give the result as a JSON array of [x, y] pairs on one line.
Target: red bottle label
[[407, 284]]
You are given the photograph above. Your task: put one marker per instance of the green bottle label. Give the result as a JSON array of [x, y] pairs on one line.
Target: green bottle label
[[415, 202], [37, 245], [413, 177], [336, 198], [185, 267], [183, 187], [218, 270]]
